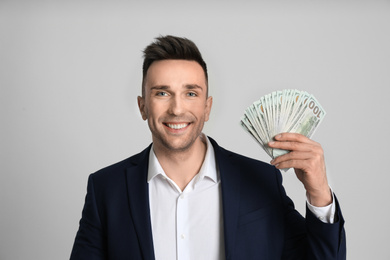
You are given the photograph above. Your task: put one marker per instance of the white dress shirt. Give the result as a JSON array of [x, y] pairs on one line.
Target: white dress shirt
[[188, 224]]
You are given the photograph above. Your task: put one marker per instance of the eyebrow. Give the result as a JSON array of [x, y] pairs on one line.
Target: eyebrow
[[193, 86], [187, 86], [163, 87]]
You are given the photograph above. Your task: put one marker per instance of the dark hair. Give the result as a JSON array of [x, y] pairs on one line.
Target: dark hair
[[171, 47]]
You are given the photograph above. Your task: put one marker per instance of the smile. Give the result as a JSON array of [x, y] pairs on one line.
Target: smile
[[177, 126]]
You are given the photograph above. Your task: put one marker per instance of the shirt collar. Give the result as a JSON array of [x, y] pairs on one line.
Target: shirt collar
[[209, 166], [208, 169], [154, 166]]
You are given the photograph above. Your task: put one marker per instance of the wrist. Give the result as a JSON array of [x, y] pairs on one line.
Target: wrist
[[321, 199]]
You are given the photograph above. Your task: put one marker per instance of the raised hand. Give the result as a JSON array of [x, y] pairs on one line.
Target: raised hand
[[307, 158]]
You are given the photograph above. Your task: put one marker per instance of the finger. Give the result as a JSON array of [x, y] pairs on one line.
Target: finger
[[293, 146], [293, 156], [304, 165], [293, 137]]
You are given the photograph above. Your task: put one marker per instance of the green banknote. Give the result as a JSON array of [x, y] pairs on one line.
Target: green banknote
[[289, 110]]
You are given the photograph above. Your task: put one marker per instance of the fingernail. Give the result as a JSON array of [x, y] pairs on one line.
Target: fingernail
[[272, 161], [278, 136], [271, 143]]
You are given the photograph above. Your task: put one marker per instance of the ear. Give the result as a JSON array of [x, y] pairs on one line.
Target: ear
[[141, 107], [209, 103]]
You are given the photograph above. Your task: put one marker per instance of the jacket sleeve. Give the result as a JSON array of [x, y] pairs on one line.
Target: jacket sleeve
[[310, 238], [89, 242], [326, 241]]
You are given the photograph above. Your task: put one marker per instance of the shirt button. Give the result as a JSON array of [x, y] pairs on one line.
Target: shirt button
[[182, 236], [321, 218], [182, 196]]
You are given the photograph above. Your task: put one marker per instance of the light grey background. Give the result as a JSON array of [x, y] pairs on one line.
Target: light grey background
[[70, 72]]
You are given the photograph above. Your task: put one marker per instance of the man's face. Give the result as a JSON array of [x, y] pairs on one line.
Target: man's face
[[175, 103]]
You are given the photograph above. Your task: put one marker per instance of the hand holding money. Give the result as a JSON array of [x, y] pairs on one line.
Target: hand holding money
[[307, 158], [296, 114]]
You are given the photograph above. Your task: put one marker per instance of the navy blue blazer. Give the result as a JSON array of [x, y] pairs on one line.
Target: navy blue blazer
[[260, 221]]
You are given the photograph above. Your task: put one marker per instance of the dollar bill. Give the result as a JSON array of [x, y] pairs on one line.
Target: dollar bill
[[289, 110]]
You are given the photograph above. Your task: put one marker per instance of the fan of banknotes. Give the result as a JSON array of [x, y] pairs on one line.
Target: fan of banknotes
[[289, 110]]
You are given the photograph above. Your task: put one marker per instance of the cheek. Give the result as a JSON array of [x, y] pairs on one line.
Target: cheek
[[154, 111], [202, 113]]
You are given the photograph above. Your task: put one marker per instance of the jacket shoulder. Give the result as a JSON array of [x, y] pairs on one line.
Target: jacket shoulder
[[245, 160], [239, 159]]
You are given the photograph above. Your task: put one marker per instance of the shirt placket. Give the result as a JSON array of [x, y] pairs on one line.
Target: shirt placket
[[182, 229]]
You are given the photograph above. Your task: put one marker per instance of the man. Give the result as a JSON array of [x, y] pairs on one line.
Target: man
[[185, 197]]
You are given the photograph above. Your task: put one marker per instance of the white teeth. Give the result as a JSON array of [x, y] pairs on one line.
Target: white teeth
[[177, 126]]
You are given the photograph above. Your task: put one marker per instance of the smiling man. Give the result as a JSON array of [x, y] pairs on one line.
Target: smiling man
[[185, 197], [176, 105]]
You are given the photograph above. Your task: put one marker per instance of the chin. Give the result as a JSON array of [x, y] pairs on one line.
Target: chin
[[179, 145]]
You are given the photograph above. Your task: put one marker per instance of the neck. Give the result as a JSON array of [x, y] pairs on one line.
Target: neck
[[181, 166]]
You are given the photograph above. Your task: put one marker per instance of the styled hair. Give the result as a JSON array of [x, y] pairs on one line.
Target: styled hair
[[171, 48]]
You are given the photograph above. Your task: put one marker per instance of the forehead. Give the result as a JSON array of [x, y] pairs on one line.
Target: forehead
[[175, 72]]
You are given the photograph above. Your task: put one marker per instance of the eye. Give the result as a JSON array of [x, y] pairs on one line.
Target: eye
[[192, 94], [162, 94]]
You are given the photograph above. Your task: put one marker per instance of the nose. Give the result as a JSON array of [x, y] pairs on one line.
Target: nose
[[176, 106]]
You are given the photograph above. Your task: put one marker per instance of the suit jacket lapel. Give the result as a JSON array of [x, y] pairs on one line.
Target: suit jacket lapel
[[138, 194], [230, 186]]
